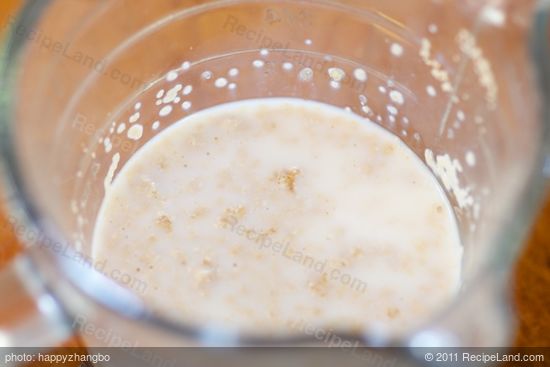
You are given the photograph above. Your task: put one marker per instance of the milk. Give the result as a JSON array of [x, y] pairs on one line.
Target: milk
[[266, 215]]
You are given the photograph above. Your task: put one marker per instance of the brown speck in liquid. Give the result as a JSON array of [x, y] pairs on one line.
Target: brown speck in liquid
[[199, 212], [392, 312], [232, 216], [268, 232], [439, 209], [287, 178], [162, 163], [204, 276], [388, 149], [181, 258], [357, 252], [421, 246], [164, 222], [236, 250], [150, 188], [368, 169], [320, 286], [338, 263]]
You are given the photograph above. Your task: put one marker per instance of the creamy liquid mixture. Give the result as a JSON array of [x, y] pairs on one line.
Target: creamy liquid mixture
[[269, 214]]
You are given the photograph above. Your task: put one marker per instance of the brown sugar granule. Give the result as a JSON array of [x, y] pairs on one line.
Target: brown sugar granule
[[199, 212], [388, 149], [392, 312], [207, 261], [231, 216], [204, 276], [165, 223], [319, 287], [287, 178]]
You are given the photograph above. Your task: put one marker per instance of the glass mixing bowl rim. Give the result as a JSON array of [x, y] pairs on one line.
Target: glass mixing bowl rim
[[509, 239]]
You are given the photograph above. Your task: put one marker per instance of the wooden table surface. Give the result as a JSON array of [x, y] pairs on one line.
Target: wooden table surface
[[530, 285]]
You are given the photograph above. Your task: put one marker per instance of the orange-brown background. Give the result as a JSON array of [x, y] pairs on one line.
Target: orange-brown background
[[530, 285]]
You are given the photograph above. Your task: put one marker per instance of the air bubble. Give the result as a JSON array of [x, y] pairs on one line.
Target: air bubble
[[397, 97], [258, 64], [187, 90], [120, 129], [220, 83], [134, 117], [165, 111], [336, 74], [135, 132], [233, 72], [107, 144], [186, 105], [360, 74], [396, 49], [172, 94], [306, 74], [335, 85], [185, 65], [392, 109], [288, 66], [171, 76], [493, 15], [207, 75]]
